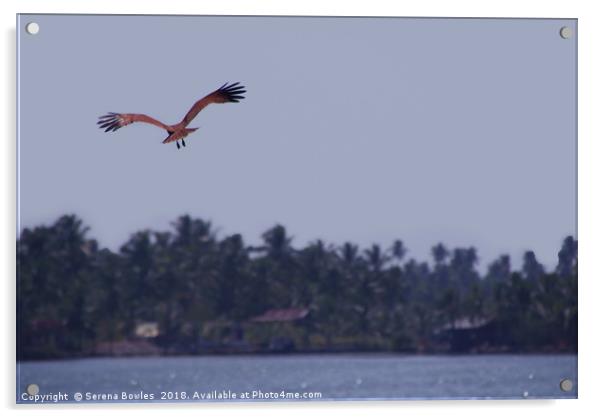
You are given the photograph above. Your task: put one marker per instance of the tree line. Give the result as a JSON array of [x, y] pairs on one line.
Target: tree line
[[72, 294]]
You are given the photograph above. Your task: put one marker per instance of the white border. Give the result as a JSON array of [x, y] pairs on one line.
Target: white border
[[590, 137]]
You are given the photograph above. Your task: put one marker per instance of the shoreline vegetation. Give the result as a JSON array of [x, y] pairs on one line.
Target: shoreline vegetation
[[188, 291], [366, 354]]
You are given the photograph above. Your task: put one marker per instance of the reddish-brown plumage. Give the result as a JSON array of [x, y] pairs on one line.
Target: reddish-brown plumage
[[177, 135], [225, 94]]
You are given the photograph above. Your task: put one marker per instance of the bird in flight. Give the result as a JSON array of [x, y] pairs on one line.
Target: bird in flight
[[225, 94]]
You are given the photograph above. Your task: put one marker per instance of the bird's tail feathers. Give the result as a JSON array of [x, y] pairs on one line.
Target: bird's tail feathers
[[177, 135]]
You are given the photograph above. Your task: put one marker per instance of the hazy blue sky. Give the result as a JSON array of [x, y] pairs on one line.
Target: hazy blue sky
[[453, 130]]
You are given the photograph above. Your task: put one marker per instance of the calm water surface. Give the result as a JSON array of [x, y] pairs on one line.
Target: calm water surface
[[334, 376]]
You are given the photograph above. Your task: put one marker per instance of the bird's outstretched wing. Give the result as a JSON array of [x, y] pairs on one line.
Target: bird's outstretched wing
[[225, 94], [113, 121]]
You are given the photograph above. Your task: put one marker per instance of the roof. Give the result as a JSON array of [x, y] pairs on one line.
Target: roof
[[464, 324], [281, 315], [147, 330]]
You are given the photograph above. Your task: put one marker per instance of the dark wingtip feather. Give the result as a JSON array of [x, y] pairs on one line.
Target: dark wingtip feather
[[233, 92], [231, 87], [109, 122]]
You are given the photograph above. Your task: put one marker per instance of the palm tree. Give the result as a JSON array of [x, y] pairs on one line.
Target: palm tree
[[567, 257], [137, 291], [532, 269], [398, 250], [440, 254]]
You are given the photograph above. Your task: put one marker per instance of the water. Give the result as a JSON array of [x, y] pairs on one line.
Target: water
[[333, 376]]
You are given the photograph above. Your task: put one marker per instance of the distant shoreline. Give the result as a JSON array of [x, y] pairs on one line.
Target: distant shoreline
[[189, 291], [309, 353]]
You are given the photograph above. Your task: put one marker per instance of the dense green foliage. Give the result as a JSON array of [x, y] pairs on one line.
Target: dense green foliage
[[73, 295]]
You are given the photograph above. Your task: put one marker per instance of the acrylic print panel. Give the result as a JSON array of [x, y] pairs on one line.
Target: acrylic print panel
[[295, 208]]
